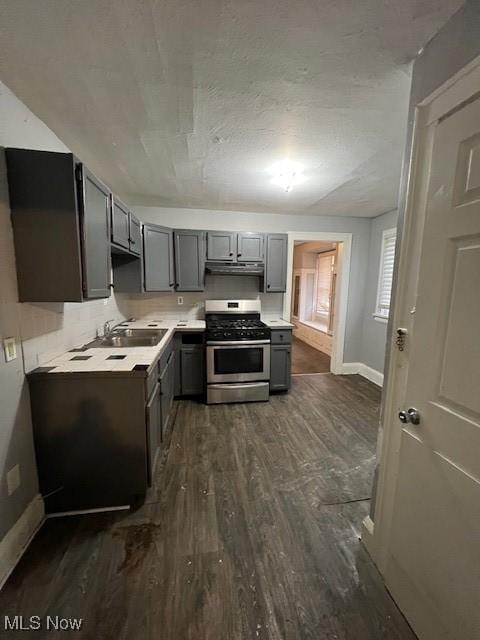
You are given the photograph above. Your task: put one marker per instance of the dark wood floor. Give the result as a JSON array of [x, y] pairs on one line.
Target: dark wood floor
[[307, 359], [249, 533]]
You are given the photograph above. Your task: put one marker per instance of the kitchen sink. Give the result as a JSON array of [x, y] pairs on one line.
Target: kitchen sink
[[139, 333], [129, 338]]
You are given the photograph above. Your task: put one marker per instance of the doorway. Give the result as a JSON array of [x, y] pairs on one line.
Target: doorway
[[315, 301]]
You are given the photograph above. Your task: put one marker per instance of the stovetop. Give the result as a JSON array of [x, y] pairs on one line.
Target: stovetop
[[236, 328], [235, 324]]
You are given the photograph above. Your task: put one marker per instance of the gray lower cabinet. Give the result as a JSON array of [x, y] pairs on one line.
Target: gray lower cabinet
[[192, 370], [280, 359], [190, 254], [250, 246], [275, 280], [222, 246], [61, 227], [167, 382], [158, 258], [280, 367], [153, 414]]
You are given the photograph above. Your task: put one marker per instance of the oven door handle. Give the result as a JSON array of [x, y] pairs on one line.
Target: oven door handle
[[236, 343]]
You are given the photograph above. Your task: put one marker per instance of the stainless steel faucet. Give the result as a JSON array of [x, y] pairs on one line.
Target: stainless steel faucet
[[106, 328]]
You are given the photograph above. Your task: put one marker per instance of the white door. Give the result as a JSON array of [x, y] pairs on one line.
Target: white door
[[433, 567]]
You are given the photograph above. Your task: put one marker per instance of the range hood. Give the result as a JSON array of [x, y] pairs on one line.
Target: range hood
[[235, 268]]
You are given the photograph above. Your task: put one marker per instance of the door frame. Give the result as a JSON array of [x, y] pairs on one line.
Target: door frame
[[343, 278], [450, 96]]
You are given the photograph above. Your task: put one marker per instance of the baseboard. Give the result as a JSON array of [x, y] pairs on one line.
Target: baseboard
[[17, 539], [364, 370]]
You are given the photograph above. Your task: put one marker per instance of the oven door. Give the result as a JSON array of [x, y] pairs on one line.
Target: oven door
[[238, 361]]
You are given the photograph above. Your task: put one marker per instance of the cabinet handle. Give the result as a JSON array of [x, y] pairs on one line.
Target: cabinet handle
[[132, 241], [268, 286], [231, 253], [238, 255], [171, 284]]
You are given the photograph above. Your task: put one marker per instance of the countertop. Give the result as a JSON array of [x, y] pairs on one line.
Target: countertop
[[97, 359], [274, 322], [100, 359]]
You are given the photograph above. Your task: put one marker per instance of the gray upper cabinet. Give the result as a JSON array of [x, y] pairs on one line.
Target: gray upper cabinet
[[61, 226], [158, 258], [190, 253], [276, 262], [228, 246], [95, 216], [250, 247], [135, 234], [120, 224], [221, 245]]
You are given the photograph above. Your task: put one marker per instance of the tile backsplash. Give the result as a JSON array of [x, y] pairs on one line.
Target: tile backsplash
[[49, 329], [164, 305]]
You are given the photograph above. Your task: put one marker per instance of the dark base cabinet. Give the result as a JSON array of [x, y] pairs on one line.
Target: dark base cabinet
[[90, 439], [189, 364], [280, 360]]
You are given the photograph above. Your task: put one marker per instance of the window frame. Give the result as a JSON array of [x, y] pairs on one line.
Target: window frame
[[386, 235]]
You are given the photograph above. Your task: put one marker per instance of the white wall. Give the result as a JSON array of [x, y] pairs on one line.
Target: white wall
[[375, 330], [41, 330], [236, 220]]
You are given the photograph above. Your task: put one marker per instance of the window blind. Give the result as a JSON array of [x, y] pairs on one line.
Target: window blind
[[386, 274], [324, 283]]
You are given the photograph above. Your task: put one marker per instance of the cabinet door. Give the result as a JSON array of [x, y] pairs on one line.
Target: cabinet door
[[95, 221], [221, 245], [276, 263], [250, 247], [120, 224], [192, 370], [166, 384], [158, 258], [135, 234], [280, 367], [177, 372], [190, 260], [154, 430]]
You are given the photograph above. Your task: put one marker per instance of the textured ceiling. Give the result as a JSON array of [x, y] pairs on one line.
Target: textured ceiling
[[189, 102]]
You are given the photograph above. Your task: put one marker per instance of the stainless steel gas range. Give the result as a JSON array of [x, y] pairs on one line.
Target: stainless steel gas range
[[238, 352]]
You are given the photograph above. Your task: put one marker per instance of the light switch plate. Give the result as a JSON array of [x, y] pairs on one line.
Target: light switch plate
[[10, 348], [180, 300]]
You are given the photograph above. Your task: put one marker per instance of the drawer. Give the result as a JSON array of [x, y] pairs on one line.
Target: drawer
[[281, 336]]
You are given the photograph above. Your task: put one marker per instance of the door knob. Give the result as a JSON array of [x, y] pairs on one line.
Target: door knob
[[411, 416]]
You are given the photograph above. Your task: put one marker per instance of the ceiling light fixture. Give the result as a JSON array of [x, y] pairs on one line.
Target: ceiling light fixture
[[287, 174]]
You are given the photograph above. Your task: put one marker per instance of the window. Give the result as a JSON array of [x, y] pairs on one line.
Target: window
[[324, 284], [385, 277]]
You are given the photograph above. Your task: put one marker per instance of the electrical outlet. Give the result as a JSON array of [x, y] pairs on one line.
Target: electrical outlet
[[13, 479], [180, 300], [10, 348]]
